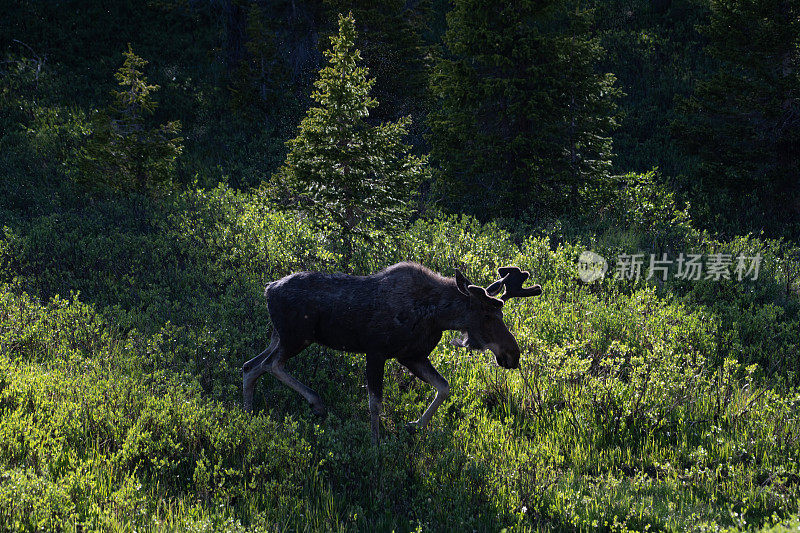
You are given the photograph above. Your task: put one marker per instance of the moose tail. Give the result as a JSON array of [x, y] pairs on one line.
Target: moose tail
[[266, 289]]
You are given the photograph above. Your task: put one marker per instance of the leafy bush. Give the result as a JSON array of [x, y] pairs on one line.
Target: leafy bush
[[120, 406]]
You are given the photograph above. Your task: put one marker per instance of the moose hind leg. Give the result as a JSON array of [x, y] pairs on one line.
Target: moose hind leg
[[263, 356], [375, 369], [254, 368], [423, 369], [317, 406]]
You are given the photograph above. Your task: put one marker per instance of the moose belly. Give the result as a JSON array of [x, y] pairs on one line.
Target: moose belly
[[340, 336], [365, 337]]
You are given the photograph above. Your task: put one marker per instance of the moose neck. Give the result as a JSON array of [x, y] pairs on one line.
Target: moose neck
[[453, 308]]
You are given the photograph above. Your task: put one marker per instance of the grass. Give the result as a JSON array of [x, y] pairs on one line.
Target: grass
[[120, 403]]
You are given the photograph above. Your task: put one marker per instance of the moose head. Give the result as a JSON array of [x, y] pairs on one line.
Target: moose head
[[484, 328]]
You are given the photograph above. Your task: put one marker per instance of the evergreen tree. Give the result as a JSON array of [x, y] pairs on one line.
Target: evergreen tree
[[260, 85], [348, 175], [390, 40], [523, 120], [123, 152], [655, 51], [743, 123]]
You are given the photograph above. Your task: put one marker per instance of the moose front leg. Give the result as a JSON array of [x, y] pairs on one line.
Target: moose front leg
[[375, 369], [423, 369]]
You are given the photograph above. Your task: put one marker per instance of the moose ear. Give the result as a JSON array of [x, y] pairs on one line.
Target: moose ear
[[476, 290], [462, 283], [483, 296]]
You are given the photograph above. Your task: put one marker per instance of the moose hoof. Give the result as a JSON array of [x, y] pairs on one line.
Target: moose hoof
[[319, 409]]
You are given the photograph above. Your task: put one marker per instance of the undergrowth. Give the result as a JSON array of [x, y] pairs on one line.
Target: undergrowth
[[124, 323]]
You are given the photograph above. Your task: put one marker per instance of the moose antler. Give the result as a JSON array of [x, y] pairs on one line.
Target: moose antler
[[512, 278]]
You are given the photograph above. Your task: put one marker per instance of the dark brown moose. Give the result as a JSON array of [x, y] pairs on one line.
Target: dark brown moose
[[399, 312]]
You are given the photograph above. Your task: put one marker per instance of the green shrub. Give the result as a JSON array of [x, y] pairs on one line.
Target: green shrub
[[119, 405]]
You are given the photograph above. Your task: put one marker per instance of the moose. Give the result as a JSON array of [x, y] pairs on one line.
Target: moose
[[399, 312]]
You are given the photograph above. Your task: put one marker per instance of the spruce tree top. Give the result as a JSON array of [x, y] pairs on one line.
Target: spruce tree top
[[342, 170], [136, 96]]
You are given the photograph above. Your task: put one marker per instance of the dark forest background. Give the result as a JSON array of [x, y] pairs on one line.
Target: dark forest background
[[529, 110]]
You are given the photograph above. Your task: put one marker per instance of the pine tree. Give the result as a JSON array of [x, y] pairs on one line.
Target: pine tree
[[349, 176], [743, 123], [523, 121], [390, 40], [123, 152], [259, 87]]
